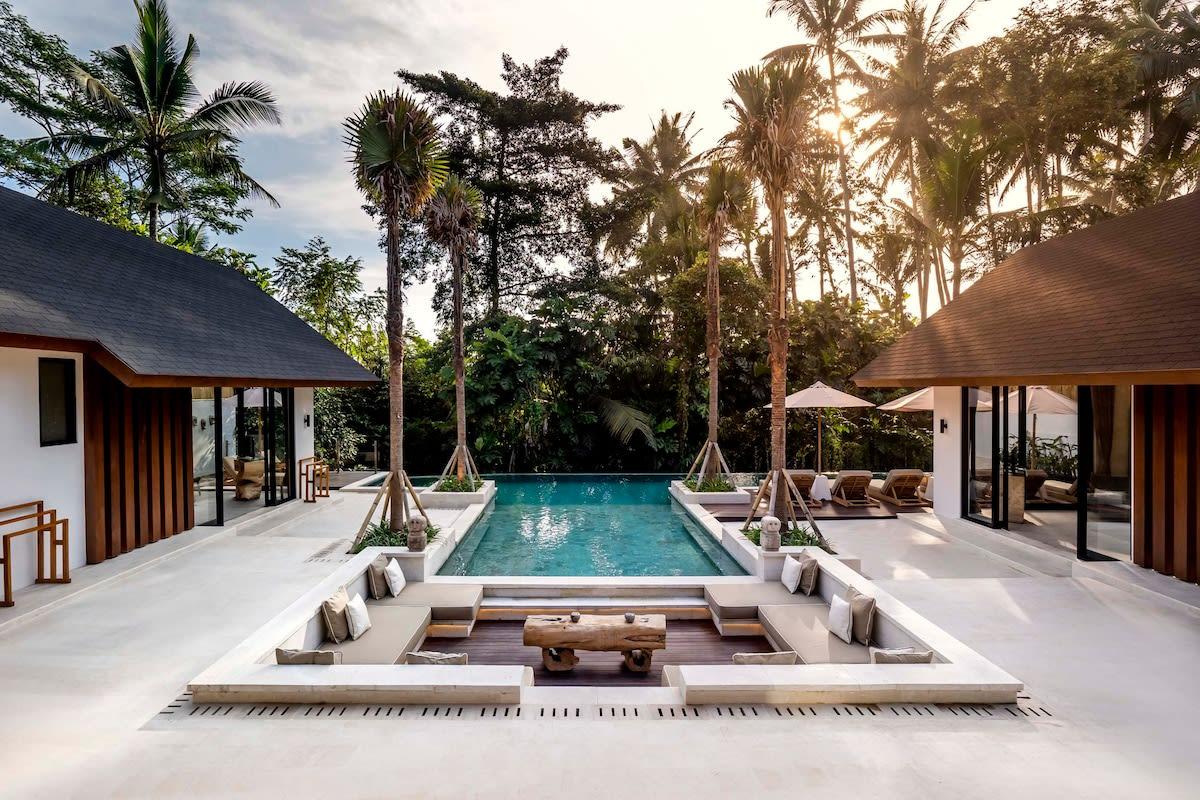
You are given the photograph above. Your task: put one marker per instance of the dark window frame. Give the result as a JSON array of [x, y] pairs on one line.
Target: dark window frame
[[72, 402]]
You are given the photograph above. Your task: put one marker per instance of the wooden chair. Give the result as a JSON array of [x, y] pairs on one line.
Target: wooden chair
[[850, 489], [803, 480], [53, 543], [314, 475], [901, 488]]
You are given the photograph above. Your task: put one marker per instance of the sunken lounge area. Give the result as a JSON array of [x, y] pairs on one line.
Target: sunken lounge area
[[815, 631]]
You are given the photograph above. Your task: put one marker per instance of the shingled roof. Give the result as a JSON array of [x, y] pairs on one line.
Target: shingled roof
[[1116, 303], [153, 315]]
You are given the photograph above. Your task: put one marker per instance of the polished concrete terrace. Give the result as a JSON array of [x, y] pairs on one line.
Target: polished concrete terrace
[[1110, 676]]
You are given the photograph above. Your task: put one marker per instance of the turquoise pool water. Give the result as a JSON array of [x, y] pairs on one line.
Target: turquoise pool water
[[573, 525]]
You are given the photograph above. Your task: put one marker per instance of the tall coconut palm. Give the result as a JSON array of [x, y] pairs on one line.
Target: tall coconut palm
[[727, 199], [653, 188], [398, 162], [147, 94], [773, 108], [835, 29], [957, 186], [452, 220], [905, 98]]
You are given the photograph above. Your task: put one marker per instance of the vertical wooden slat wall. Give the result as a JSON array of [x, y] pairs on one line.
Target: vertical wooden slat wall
[[1166, 480], [137, 464]]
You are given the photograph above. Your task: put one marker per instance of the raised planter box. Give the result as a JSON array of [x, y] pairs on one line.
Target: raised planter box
[[686, 496], [432, 499]]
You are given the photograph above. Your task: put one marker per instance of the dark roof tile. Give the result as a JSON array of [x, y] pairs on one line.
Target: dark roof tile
[[158, 310]]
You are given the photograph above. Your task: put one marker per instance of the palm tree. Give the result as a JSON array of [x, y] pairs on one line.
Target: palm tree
[[957, 187], [653, 189], [452, 220], [892, 264], [727, 198], [144, 93], [835, 28], [815, 199], [773, 111], [398, 162], [905, 97]]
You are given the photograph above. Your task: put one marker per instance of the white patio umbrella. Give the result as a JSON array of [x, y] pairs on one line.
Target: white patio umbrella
[[820, 396], [922, 400], [1041, 400]]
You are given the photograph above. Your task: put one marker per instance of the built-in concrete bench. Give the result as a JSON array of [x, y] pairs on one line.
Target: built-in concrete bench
[[832, 671], [734, 606], [805, 630], [450, 602], [395, 630]]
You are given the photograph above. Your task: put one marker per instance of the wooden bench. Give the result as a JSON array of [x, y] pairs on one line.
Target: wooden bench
[[53, 543], [559, 638], [314, 476]]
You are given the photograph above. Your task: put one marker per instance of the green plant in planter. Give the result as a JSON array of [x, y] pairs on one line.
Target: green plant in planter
[[710, 485], [455, 484], [793, 536], [379, 534]]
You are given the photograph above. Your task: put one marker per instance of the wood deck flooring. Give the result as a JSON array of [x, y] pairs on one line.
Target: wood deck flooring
[[688, 642]]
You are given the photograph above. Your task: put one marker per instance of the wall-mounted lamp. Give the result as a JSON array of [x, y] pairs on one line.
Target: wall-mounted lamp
[[307, 420], [945, 426]]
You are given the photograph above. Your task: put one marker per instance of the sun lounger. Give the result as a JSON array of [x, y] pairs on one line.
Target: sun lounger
[[1060, 492], [899, 488], [850, 489], [803, 480]]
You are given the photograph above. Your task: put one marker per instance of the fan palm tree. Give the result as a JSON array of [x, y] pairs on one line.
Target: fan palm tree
[[835, 28], [452, 220], [773, 109], [727, 198], [398, 163], [145, 93]]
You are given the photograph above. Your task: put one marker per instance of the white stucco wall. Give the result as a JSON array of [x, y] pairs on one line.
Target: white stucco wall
[[302, 406], [29, 471], [947, 451]]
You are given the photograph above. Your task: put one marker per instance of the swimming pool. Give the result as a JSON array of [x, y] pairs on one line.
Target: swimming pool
[[577, 525]]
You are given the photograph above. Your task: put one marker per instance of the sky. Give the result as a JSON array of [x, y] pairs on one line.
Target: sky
[[321, 58]]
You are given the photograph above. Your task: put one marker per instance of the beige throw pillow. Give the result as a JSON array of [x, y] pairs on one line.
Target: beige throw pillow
[[900, 655], [810, 568], [324, 657], [840, 621], [791, 574], [433, 657], [862, 611], [376, 582], [784, 657], [334, 612]]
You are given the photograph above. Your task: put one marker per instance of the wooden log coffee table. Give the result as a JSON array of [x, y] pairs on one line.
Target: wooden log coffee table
[[559, 638]]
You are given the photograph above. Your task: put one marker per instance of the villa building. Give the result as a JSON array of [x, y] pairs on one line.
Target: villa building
[[1066, 407], [144, 390]]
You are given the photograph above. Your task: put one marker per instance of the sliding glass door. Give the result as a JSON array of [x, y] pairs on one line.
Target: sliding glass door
[[243, 443], [985, 455]]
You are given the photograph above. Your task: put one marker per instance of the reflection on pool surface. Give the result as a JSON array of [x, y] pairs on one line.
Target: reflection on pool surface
[[574, 525]]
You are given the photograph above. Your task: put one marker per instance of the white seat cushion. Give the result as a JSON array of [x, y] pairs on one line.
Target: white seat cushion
[[394, 576], [840, 619], [359, 619]]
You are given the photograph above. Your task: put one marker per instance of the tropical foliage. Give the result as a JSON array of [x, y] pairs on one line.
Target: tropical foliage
[[890, 165]]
